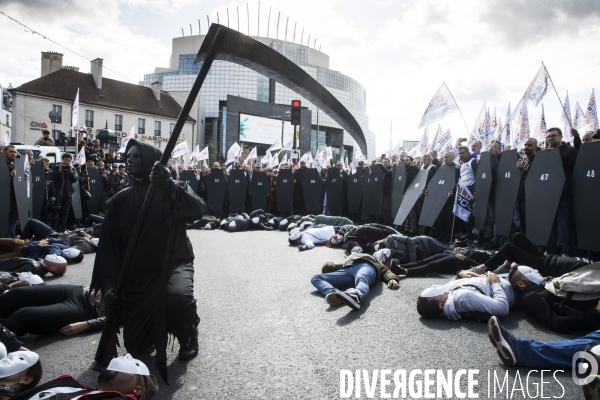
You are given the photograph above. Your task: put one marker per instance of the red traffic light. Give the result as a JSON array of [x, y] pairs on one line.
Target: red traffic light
[[295, 103]]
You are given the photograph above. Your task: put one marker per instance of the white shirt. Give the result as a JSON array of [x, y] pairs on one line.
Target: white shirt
[[313, 236]]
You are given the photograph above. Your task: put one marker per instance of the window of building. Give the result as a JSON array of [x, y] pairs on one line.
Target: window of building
[[171, 128], [141, 125], [156, 128], [57, 111], [89, 118], [118, 122]]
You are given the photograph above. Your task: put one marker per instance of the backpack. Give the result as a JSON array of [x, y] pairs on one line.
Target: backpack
[[579, 285]]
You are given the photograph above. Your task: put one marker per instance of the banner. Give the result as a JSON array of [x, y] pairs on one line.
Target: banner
[[262, 130], [126, 139], [439, 106], [463, 202], [540, 128], [538, 87], [75, 113], [591, 113]]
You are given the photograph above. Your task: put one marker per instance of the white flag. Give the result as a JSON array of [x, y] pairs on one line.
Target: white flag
[[284, 160], [126, 139], [480, 128], [309, 159], [203, 155], [444, 143], [538, 87], [180, 150], [266, 159], [327, 153], [275, 146], [274, 160], [506, 138], [233, 153], [195, 152], [288, 145], [439, 106], [80, 157], [75, 112], [591, 113], [204, 164], [579, 120], [540, 127], [424, 143], [435, 139], [253, 154], [357, 154], [522, 132]]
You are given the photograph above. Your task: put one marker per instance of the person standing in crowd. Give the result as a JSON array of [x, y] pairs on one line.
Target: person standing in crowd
[[110, 159], [524, 164], [435, 160], [476, 149], [468, 170], [45, 140], [388, 176], [565, 214], [64, 177], [299, 205], [446, 216], [495, 151], [411, 223], [428, 166], [45, 215], [120, 180], [10, 155]]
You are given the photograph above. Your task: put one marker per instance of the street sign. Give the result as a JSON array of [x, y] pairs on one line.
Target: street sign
[[295, 154]]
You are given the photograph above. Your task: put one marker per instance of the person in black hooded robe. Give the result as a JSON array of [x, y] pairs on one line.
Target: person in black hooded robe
[[147, 310]]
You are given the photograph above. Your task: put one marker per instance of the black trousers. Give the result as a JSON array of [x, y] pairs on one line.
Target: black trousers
[[436, 264], [521, 251], [43, 310]]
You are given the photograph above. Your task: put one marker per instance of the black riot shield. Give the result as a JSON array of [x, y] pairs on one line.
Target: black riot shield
[[22, 190], [285, 190], [38, 189], [398, 183], [440, 185], [259, 190], [375, 191], [483, 185], [95, 203], [411, 196], [543, 188], [190, 178], [216, 186], [312, 184], [5, 182], [355, 190], [365, 185], [77, 210], [508, 179], [237, 185], [333, 188], [586, 186]]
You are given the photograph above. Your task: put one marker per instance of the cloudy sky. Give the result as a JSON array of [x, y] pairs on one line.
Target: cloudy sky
[[400, 51]]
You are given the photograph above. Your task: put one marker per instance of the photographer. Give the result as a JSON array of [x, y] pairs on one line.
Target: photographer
[[45, 140], [119, 180], [64, 177]]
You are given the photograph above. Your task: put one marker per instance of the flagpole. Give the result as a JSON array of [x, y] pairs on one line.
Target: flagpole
[[559, 100], [458, 108]]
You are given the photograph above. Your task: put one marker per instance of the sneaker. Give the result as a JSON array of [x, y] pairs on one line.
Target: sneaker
[[504, 342], [350, 298], [332, 299], [502, 270]]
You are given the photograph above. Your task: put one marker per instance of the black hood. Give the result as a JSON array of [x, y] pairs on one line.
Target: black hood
[[149, 155]]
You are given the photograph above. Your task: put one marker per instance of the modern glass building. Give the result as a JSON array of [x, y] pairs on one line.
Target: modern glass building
[[225, 78]]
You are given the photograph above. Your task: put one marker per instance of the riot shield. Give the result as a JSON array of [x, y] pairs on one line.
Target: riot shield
[[543, 188], [375, 191], [355, 186], [586, 186], [22, 191], [190, 178], [411, 196], [5, 183], [508, 179], [237, 186], [398, 183], [216, 185], [95, 203], [333, 188], [38, 189], [285, 190], [438, 188], [312, 184], [77, 210], [483, 185], [259, 190], [366, 195]]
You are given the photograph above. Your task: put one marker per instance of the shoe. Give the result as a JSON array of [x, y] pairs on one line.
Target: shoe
[[332, 299], [504, 342], [501, 270], [191, 347], [350, 298]]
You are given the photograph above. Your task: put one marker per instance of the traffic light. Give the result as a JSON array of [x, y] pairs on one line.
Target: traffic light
[[296, 110]]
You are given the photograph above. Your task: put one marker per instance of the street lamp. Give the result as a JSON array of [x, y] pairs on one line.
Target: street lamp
[[54, 117], [287, 114]]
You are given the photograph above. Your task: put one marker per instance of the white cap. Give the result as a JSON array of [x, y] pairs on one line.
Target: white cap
[[16, 362], [434, 290], [208, 227], [292, 225], [295, 234], [283, 221], [2, 350], [94, 242], [29, 277], [336, 239], [223, 222], [532, 274], [128, 365], [271, 221], [383, 254], [232, 223], [356, 249], [255, 220], [55, 259], [70, 252]]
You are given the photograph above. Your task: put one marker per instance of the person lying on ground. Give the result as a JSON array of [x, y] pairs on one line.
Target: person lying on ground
[[364, 236], [310, 237], [40, 249], [20, 371], [411, 249], [348, 282], [56, 265], [259, 220], [236, 223], [207, 222]]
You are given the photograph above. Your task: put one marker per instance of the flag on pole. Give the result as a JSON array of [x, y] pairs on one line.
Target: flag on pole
[[233, 153], [357, 153], [463, 202], [591, 113], [444, 143], [288, 145], [488, 135], [195, 152], [180, 150], [424, 143], [440, 105], [522, 133], [253, 154], [479, 129], [434, 142], [327, 153], [80, 157], [505, 138], [204, 164], [538, 87], [126, 139], [309, 159], [274, 160], [579, 120], [494, 125], [27, 173], [203, 155], [275, 146], [284, 160], [566, 119], [540, 128], [266, 159], [75, 113]]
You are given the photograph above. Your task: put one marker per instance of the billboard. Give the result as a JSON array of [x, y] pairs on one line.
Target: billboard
[[264, 130]]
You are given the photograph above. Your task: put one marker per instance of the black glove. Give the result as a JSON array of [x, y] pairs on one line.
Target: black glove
[[112, 301], [161, 177]]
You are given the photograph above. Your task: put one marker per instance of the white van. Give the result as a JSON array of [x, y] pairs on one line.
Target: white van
[[53, 153]]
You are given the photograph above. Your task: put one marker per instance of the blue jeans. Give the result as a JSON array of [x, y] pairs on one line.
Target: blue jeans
[[436, 247], [65, 203], [565, 216], [553, 355], [359, 276], [36, 228]]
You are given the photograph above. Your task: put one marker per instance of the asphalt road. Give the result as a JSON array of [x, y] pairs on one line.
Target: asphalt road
[[266, 332]]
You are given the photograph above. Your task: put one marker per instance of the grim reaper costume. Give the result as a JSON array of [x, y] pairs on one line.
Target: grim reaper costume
[[157, 295]]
